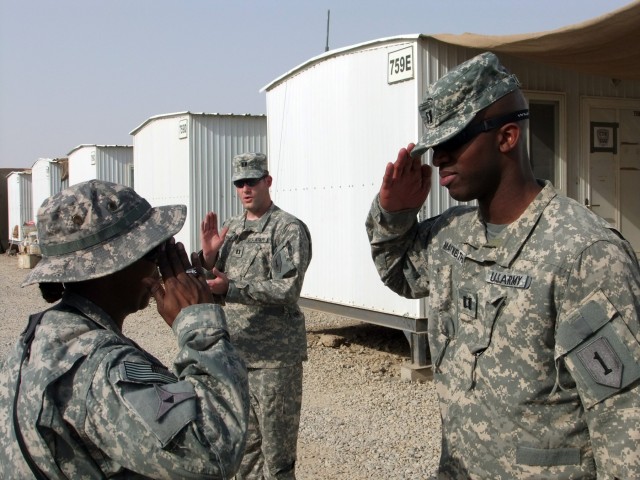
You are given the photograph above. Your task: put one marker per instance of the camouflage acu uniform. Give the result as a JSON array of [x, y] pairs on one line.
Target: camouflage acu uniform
[[99, 406], [534, 337], [93, 404], [266, 261]]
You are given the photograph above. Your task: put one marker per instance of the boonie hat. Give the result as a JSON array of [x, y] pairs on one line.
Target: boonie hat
[[249, 165], [95, 228], [451, 102]]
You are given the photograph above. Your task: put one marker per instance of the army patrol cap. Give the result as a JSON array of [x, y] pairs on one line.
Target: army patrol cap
[[249, 165], [451, 102], [95, 228]]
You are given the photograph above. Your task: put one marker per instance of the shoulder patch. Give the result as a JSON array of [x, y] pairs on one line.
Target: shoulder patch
[[602, 363], [167, 399], [163, 409]]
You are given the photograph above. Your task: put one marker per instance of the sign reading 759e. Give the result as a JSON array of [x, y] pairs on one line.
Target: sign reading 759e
[[400, 65]]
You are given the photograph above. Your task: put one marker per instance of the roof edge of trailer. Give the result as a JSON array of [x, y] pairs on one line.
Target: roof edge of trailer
[[333, 53], [50, 160], [26, 171], [188, 112], [85, 145]]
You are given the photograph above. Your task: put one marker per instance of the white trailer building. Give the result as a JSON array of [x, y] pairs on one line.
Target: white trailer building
[[336, 120], [185, 158], [111, 163], [19, 199], [48, 177]]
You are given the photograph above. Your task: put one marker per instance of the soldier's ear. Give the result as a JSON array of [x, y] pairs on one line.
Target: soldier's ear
[[508, 137], [268, 179]]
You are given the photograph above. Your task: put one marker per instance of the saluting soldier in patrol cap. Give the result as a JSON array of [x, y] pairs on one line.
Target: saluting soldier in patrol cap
[[533, 300], [259, 259], [80, 400]]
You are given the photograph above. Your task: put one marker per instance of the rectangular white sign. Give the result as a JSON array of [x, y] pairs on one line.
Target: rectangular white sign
[[400, 65]]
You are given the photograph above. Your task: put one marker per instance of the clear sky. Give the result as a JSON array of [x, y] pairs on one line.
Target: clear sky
[[89, 71]]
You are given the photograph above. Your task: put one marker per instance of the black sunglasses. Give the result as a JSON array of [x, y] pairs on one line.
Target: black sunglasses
[[476, 129], [252, 182]]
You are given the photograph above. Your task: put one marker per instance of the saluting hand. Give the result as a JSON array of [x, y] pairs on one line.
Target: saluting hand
[[406, 183], [178, 288], [210, 239]]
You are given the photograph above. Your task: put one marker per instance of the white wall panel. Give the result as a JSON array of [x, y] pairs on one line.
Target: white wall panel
[[19, 199], [46, 179], [332, 129], [82, 164]]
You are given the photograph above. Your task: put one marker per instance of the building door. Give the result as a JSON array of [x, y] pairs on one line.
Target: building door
[[613, 190]]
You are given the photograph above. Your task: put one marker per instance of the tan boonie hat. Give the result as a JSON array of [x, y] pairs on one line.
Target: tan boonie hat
[[95, 228], [451, 102], [249, 165]]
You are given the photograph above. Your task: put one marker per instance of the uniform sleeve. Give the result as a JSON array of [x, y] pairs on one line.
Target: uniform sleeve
[[289, 263], [599, 330], [396, 247], [191, 424]]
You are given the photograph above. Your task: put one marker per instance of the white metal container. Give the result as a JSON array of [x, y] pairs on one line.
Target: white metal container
[[185, 158], [48, 177], [19, 198], [110, 163]]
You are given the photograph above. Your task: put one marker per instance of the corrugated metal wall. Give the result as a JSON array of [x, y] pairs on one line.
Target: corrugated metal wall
[[193, 166], [216, 139], [111, 163], [20, 199], [114, 164]]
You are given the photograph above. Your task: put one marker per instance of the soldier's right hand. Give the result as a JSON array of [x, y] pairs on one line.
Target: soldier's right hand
[[406, 183]]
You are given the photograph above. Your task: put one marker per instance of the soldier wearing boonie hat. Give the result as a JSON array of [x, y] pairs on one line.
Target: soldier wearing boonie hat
[[532, 299], [84, 401]]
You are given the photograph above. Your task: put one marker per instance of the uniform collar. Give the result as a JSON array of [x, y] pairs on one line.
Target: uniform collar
[[506, 246], [259, 224], [90, 310]]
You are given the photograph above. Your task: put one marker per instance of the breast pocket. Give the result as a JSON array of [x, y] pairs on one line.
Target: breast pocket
[[250, 259]]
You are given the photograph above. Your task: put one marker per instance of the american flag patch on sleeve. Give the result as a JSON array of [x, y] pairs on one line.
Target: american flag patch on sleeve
[[146, 373]]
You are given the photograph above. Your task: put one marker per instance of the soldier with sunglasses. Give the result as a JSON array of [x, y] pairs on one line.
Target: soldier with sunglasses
[[533, 300], [259, 260]]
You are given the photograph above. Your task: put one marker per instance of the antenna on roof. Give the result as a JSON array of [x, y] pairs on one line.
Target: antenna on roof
[[326, 48]]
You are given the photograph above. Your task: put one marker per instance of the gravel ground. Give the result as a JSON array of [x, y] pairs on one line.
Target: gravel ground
[[360, 421]]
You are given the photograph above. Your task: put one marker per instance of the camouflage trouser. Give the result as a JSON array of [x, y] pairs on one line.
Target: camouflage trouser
[[274, 417]]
